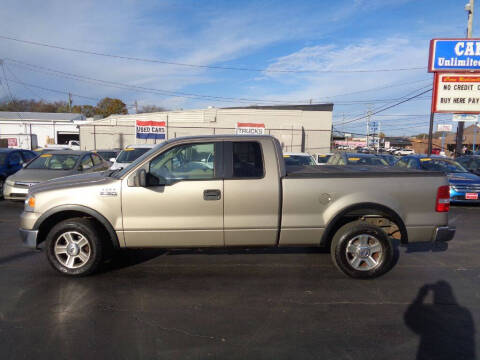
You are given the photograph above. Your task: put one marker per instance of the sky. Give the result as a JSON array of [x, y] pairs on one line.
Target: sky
[[234, 53]]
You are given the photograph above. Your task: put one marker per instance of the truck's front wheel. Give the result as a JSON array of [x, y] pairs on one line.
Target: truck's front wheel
[[74, 248], [361, 250]]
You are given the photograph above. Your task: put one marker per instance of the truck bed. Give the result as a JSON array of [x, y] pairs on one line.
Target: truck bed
[[353, 171]]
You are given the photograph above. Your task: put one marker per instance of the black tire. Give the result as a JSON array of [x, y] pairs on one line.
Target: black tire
[[347, 234], [86, 228]]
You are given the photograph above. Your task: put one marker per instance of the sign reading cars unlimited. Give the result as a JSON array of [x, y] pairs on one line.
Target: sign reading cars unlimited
[[454, 55], [150, 129], [456, 93], [250, 129]]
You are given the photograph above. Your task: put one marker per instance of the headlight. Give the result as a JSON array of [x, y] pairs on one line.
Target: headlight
[[30, 203], [10, 182]]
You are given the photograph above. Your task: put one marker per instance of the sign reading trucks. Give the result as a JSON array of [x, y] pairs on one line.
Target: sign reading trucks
[[150, 129], [250, 129]]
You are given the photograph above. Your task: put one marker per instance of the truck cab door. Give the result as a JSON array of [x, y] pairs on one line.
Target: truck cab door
[[252, 193], [181, 204]]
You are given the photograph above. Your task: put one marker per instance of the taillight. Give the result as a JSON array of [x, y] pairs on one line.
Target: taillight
[[443, 199]]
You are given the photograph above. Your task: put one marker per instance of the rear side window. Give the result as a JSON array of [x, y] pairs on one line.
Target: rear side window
[[247, 160], [96, 159]]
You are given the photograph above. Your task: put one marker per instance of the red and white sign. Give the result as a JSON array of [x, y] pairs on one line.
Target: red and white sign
[[12, 142], [456, 93], [250, 129], [151, 129], [471, 196], [444, 127]]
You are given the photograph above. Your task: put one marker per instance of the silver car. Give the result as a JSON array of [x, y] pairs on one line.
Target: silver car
[[51, 165]]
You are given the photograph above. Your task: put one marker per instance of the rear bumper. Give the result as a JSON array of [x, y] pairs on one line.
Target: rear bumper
[[29, 238], [444, 233]]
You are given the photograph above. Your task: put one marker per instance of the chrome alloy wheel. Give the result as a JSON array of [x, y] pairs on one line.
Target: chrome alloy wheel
[[364, 252], [72, 249]]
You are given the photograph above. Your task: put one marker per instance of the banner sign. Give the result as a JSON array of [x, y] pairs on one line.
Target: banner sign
[[456, 93], [12, 142], [444, 127], [465, 117], [150, 129], [250, 129], [454, 55]]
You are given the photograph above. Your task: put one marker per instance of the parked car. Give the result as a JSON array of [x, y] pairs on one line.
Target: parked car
[[295, 159], [12, 160], [109, 155], [346, 158], [129, 155], [464, 186], [322, 159], [470, 162], [70, 145], [49, 166], [249, 198], [403, 152]]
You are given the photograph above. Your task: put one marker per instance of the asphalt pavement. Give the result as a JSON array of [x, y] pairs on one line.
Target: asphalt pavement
[[242, 304]]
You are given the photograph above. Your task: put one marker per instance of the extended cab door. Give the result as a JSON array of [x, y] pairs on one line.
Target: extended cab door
[[182, 204], [252, 193]]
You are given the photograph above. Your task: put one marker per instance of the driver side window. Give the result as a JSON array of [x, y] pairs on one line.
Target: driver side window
[[185, 162]]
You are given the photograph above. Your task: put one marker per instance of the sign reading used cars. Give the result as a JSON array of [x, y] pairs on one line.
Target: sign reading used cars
[[150, 129], [250, 129], [454, 55], [456, 93]]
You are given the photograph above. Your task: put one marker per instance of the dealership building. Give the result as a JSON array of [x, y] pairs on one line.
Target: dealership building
[[30, 130], [297, 127]]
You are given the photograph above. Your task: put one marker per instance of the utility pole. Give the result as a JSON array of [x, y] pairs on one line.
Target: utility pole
[[369, 114], [469, 9], [70, 102]]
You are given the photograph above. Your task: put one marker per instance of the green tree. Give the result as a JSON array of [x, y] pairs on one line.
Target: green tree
[[108, 106], [87, 110]]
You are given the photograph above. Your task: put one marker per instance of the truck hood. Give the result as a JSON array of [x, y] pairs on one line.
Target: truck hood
[[73, 181], [463, 178], [33, 176]]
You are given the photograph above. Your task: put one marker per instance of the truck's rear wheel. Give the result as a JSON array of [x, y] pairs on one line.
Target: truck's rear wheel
[[74, 247], [361, 250]]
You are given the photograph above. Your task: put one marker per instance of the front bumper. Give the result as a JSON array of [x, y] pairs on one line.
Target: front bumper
[[29, 238], [444, 233]]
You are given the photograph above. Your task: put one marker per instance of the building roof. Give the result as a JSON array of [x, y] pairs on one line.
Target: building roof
[[21, 116], [304, 107]]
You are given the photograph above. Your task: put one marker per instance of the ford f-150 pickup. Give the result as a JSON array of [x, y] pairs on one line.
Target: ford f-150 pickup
[[235, 191]]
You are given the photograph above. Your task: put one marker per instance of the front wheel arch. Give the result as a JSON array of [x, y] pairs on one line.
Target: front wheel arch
[[55, 215]]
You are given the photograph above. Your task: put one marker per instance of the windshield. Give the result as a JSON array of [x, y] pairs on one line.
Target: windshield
[[119, 173], [292, 160], [131, 154], [444, 165], [366, 160], [54, 162]]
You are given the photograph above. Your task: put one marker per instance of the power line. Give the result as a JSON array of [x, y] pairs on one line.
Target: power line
[[8, 87], [385, 108], [19, 82], [214, 67], [124, 86]]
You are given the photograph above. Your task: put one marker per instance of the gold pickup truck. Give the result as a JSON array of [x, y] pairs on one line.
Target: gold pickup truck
[[235, 191]]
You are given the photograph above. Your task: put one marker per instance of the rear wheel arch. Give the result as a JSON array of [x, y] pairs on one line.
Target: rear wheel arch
[[55, 215], [359, 211]]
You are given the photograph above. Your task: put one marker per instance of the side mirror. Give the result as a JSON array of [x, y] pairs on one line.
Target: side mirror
[[112, 160]]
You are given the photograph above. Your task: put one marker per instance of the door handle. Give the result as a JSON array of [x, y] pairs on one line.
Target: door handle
[[212, 195]]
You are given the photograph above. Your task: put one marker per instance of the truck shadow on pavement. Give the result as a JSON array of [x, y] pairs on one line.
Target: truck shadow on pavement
[[445, 328]]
